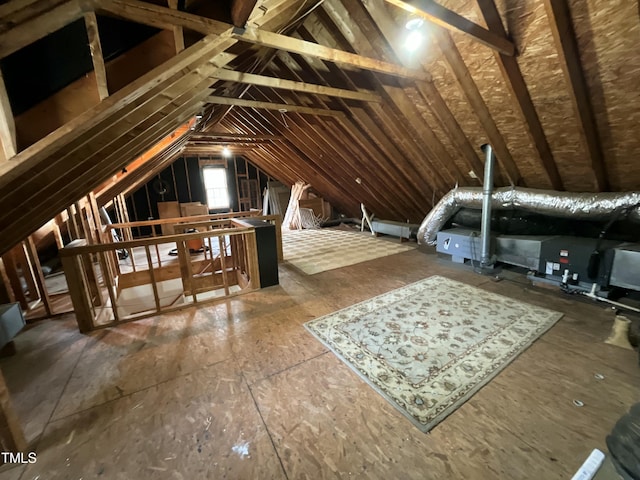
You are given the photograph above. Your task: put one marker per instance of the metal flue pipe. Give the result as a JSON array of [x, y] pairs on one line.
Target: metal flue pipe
[[487, 190]]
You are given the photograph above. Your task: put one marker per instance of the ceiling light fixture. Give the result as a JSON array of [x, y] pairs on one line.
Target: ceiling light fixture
[[226, 152], [415, 37], [284, 119]]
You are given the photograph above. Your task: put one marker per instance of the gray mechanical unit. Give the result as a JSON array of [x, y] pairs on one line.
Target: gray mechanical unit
[[551, 256], [622, 266], [461, 243]]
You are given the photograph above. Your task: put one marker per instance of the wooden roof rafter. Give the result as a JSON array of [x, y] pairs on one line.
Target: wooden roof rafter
[[241, 11], [395, 177], [416, 135], [449, 20], [569, 55], [352, 165], [98, 143], [470, 89], [388, 28], [520, 93]]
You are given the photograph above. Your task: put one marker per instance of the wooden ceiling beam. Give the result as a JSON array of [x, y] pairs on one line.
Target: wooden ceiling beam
[[232, 137], [272, 82], [241, 11], [470, 90], [268, 21], [40, 26], [241, 102], [445, 18], [178, 32], [91, 24], [289, 44], [160, 17], [569, 57], [520, 93]]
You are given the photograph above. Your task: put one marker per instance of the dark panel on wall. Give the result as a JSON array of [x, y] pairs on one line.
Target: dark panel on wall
[[181, 180], [195, 181]]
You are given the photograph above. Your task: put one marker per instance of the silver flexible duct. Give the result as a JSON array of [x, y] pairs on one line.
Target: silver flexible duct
[[593, 206]]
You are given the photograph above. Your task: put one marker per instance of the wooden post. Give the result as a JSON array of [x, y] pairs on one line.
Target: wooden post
[[108, 279], [222, 243], [22, 260], [152, 275], [253, 268], [11, 435], [78, 288], [57, 233], [92, 280], [32, 252], [93, 35]]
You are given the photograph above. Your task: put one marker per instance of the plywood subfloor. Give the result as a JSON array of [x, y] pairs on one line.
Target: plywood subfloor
[[240, 390]]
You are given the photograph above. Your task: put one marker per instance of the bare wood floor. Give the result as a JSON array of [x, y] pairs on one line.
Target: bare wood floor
[[240, 390]]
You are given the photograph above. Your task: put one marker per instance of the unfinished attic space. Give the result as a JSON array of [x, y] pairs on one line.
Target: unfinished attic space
[[319, 239]]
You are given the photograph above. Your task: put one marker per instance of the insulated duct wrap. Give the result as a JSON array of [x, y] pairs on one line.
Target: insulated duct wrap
[[592, 206]]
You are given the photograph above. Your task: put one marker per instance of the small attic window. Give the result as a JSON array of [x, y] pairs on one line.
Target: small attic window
[[215, 185]]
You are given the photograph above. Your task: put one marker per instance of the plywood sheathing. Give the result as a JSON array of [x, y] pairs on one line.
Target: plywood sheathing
[[608, 35]]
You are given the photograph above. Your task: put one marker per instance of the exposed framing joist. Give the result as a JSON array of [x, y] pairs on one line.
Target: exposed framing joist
[[160, 17], [178, 32], [282, 107], [569, 56], [272, 82], [163, 17], [518, 88], [445, 18], [294, 45], [232, 137], [93, 35]]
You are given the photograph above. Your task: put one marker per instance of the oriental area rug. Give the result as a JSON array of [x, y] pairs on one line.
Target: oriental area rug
[[318, 250], [429, 346]]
